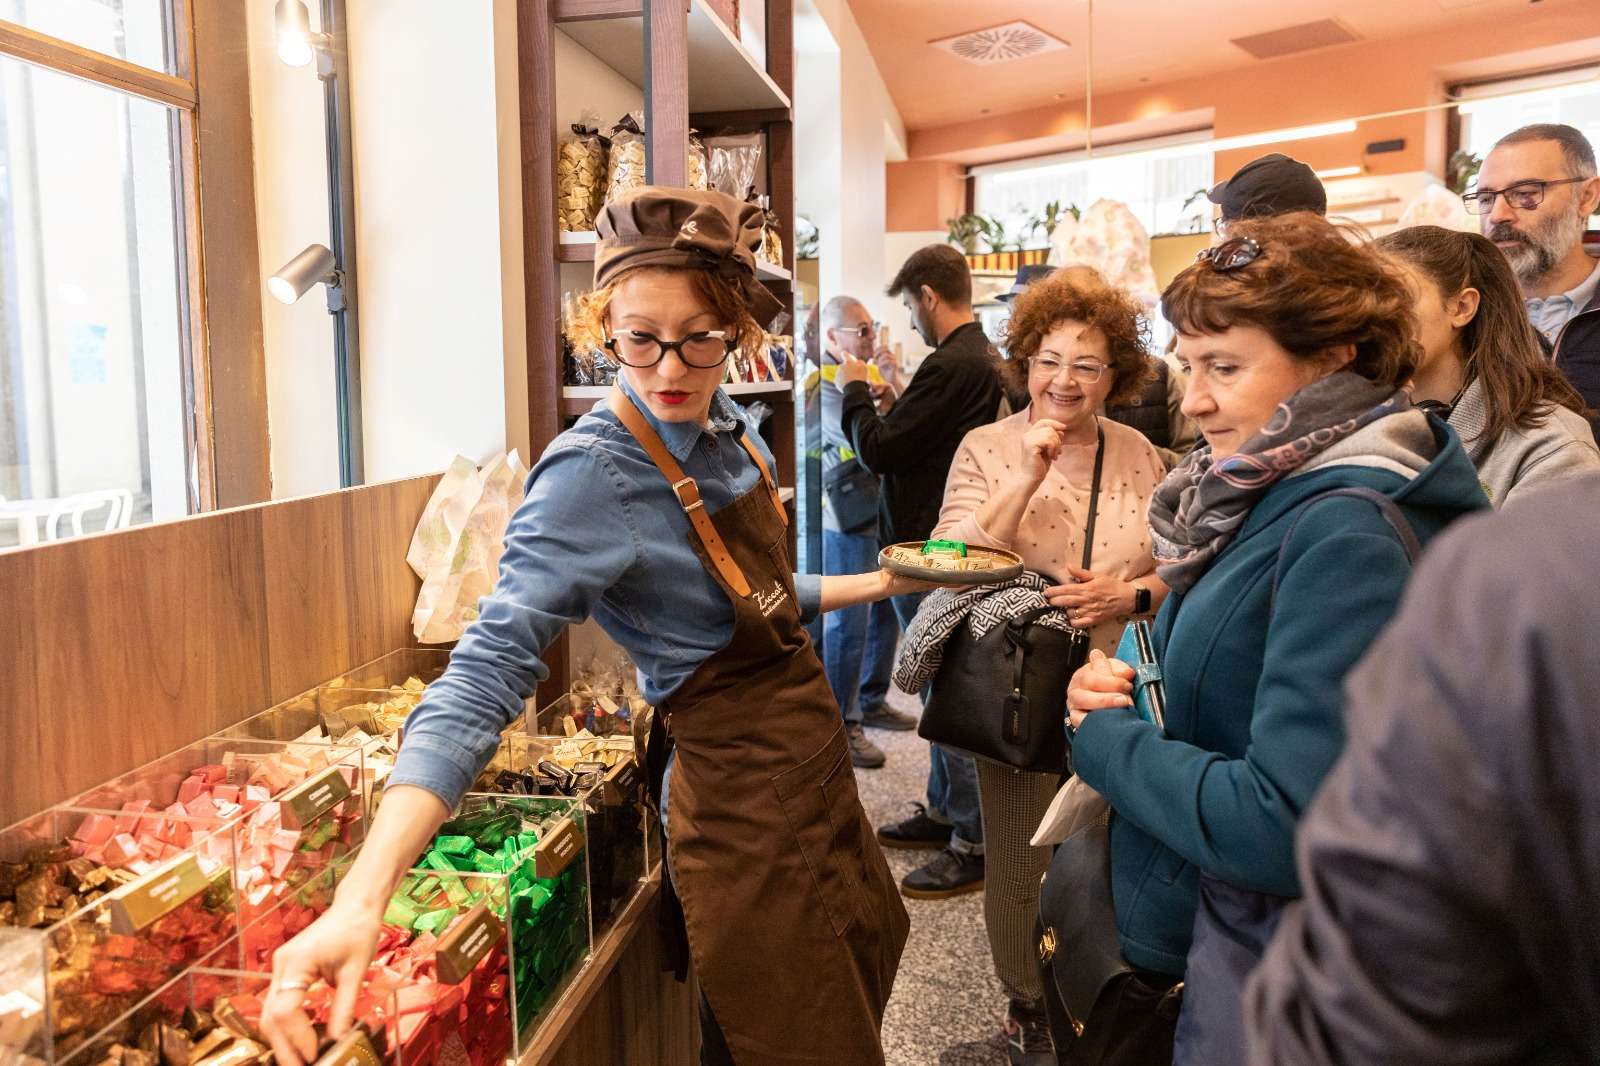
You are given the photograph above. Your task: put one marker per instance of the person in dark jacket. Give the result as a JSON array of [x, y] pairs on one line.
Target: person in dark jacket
[[1452, 859], [955, 390], [1297, 342], [1534, 196]]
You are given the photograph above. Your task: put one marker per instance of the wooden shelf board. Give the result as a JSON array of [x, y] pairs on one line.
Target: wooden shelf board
[[555, 1029], [580, 251], [759, 388], [769, 272], [786, 494], [722, 75]]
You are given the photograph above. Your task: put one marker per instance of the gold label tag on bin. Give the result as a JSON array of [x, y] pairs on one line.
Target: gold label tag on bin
[[468, 941], [352, 1049], [158, 893], [621, 782], [309, 801], [559, 847], [608, 704]]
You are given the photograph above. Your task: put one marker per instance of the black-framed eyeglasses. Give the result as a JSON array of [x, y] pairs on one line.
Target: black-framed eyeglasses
[[1230, 255], [702, 350], [1524, 195]]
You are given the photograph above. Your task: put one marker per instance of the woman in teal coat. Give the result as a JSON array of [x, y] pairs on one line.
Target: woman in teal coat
[[1297, 342]]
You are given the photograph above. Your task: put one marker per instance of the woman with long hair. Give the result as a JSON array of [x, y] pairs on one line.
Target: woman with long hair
[[1482, 368]]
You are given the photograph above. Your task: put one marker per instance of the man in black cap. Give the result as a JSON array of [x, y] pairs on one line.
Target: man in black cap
[[1271, 185]]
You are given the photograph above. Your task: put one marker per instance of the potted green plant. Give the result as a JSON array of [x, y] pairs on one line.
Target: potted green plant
[[965, 230]]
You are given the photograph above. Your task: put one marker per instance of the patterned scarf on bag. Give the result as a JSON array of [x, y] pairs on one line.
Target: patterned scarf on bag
[[1199, 508]]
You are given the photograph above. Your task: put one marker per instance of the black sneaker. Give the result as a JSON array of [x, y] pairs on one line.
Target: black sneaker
[[950, 873], [884, 716], [1027, 1033], [915, 833], [863, 752]]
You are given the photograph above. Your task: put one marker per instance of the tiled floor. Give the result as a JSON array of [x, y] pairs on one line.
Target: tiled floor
[[947, 1006]]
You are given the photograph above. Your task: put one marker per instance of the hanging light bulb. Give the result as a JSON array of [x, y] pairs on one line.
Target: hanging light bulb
[[294, 32]]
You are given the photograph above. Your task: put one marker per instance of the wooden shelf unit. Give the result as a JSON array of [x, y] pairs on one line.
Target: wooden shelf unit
[[699, 75]]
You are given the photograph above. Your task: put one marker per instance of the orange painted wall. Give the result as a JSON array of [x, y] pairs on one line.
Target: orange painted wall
[[921, 195], [1332, 84]]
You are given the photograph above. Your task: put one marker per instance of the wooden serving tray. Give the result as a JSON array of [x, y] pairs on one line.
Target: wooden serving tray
[[994, 564]]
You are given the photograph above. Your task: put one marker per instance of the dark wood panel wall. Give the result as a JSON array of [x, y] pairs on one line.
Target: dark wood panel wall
[[119, 648]]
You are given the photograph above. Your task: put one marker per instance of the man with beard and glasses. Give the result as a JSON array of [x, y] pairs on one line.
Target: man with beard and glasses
[[1535, 193]]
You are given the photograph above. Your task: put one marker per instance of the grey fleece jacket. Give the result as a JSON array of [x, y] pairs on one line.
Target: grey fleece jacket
[[1521, 461]]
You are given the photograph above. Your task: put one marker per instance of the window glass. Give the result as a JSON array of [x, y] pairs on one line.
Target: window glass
[[93, 407], [136, 30]]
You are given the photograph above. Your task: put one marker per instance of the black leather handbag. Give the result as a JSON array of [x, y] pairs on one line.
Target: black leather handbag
[[1003, 697], [1102, 1011]]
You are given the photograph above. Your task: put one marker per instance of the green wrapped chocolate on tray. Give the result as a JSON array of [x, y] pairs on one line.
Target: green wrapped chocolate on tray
[[950, 562]]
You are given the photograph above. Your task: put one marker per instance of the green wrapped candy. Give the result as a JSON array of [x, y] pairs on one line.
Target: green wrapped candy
[[434, 921], [455, 845], [401, 912]]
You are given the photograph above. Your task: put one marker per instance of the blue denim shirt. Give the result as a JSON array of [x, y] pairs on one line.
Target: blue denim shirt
[[600, 533]]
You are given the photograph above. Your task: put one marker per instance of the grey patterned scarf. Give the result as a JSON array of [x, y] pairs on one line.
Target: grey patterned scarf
[[1199, 508]]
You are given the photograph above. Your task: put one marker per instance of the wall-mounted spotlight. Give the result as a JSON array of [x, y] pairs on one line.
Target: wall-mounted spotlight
[[314, 266], [297, 45]]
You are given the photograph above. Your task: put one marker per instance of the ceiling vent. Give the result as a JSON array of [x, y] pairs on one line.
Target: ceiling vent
[[1000, 44], [1293, 39]]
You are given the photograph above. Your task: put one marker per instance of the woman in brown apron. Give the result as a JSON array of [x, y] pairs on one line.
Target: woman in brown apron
[[658, 514]]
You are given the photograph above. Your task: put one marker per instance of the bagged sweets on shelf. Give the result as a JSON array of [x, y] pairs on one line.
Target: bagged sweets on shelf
[[695, 163], [625, 158], [580, 175], [733, 161]]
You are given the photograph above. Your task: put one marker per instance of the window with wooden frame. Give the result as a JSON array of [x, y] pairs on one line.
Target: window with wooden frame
[[132, 385]]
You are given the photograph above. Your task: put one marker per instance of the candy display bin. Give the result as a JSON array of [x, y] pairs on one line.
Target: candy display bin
[[292, 807], [617, 821], [212, 1014], [537, 845], [394, 670], [121, 909], [597, 713], [498, 903], [339, 717], [24, 1036]]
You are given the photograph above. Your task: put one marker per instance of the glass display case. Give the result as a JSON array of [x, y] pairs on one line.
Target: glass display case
[[116, 924], [285, 809], [607, 784], [24, 1035], [210, 1015]]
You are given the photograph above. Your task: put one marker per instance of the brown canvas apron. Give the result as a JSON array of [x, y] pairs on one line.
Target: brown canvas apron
[[794, 923]]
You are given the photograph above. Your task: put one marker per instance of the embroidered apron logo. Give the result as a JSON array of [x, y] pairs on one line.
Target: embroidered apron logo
[[767, 602]]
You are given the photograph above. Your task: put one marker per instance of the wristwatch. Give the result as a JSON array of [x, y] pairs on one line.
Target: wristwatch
[[1141, 599]]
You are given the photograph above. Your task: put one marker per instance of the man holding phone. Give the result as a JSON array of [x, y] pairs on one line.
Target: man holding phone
[[858, 643]]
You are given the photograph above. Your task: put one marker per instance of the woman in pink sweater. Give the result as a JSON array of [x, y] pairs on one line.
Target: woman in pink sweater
[[1023, 483]]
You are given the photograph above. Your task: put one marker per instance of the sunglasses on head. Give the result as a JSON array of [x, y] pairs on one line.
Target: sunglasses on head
[[1230, 255]]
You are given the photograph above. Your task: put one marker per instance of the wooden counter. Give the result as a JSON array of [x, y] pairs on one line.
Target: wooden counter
[[120, 648]]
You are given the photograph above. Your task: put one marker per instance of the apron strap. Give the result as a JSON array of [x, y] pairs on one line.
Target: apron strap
[[766, 478], [684, 487]]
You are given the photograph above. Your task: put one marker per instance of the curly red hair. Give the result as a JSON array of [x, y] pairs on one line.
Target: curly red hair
[[1062, 297]]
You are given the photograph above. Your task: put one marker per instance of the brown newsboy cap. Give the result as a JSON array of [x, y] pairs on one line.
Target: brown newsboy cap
[[698, 229]]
